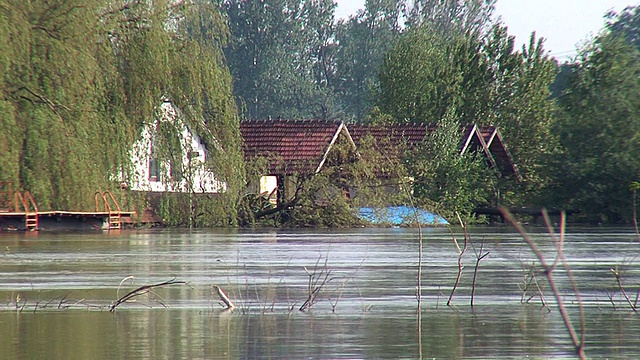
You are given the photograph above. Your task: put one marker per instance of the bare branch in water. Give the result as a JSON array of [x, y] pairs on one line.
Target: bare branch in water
[[224, 297], [479, 256], [141, 291], [318, 278], [578, 341], [461, 252], [618, 277]]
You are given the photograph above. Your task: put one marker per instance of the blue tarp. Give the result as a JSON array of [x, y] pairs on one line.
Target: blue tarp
[[400, 215]]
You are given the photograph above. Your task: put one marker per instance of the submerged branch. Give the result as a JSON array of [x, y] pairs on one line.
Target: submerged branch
[[224, 297], [578, 341], [461, 252], [618, 277], [141, 291]]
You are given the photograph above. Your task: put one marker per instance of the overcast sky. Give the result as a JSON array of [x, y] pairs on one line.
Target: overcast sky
[[563, 23]]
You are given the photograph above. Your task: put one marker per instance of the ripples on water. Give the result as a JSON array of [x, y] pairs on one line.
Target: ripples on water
[[55, 289]]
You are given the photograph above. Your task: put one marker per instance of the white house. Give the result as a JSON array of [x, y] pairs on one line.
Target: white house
[[191, 175]]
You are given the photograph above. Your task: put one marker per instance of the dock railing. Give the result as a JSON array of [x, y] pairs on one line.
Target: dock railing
[[30, 209], [111, 206]]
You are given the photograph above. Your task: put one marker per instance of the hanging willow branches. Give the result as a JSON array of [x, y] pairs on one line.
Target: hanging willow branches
[[79, 80]]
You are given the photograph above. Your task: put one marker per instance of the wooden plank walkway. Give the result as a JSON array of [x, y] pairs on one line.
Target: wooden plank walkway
[[67, 220]]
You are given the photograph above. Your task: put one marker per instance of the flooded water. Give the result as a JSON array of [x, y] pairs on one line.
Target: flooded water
[[56, 290]]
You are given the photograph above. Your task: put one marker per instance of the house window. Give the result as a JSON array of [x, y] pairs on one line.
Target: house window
[[154, 165], [176, 170], [203, 145], [154, 169]]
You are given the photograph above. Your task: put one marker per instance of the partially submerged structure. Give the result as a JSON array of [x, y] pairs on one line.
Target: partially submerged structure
[[19, 211], [292, 149], [289, 150]]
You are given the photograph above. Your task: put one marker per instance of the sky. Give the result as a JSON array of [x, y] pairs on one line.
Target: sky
[[565, 24]]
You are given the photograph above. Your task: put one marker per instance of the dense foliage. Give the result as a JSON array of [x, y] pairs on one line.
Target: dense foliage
[[280, 56], [415, 61], [480, 78], [600, 131], [446, 181], [80, 79]]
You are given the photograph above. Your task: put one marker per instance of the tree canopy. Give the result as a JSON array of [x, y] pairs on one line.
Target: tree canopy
[[280, 55], [599, 129]]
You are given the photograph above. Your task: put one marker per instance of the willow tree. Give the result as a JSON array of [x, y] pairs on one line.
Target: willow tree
[[49, 100], [82, 78]]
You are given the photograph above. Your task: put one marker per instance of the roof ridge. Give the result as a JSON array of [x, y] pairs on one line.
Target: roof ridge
[[327, 121]]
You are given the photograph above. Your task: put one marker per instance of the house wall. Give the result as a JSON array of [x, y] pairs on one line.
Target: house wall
[[194, 153], [268, 186]]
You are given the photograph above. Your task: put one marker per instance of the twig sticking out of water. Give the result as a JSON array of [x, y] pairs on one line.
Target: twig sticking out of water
[[530, 277], [461, 252], [318, 278], [618, 277], [578, 341], [141, 291], [634, 187], [224, 298], [479, 256], [340, 289]]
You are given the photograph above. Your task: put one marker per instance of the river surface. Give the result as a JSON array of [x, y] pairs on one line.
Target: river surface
[[56, 290]]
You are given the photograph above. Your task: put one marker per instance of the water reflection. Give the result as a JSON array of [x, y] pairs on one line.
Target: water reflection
[[55, 288]]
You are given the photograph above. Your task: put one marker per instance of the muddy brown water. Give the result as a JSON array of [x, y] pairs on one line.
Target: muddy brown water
[[56, 288]]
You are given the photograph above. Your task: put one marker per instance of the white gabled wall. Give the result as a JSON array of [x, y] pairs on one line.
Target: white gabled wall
[[194, 168]]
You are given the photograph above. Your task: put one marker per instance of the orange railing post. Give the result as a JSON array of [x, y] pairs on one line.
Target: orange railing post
[[31, 219], [115, 216]]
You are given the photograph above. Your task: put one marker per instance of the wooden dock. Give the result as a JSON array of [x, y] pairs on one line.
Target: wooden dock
[[19, 211], [66, 220]]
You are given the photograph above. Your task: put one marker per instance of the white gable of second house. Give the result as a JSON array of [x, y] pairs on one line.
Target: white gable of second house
[[202, 180]]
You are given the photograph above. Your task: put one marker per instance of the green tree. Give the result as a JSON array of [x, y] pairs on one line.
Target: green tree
[[625, 24], [425, 76], [280, 55], [520, 103], [446, 181], [600, 131], [452, 17], [48, 97], [478, 80], [362, 42]]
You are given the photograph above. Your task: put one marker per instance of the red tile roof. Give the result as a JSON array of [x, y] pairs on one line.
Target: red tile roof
[[478, 138], [301, 146], [293, 146], [410, 135], [494, 142]]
